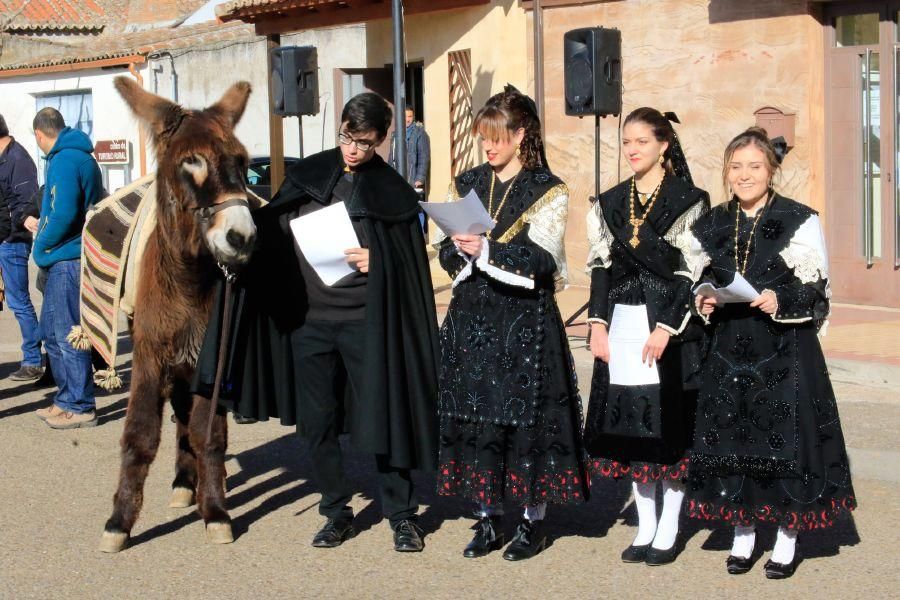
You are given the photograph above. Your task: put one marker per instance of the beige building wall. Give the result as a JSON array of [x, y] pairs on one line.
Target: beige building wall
[[496, 35], [713, 63]]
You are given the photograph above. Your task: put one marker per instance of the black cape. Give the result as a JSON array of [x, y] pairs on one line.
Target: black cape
[[396, 414]]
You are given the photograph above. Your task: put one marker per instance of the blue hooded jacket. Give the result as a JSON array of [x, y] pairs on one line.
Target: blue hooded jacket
[[73, 185]]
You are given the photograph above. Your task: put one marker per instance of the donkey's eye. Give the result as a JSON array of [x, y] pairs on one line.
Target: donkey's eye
[[196, 167]]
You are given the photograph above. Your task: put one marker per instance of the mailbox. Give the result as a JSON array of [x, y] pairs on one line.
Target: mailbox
[[776, 122]]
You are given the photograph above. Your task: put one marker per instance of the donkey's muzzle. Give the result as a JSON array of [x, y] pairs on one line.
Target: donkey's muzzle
[[239, 241]]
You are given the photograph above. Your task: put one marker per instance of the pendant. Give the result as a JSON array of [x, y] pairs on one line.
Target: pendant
[[634, 241]]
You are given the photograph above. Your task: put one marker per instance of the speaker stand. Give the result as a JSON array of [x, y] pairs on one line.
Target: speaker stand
[[596, 198], [300, 135]]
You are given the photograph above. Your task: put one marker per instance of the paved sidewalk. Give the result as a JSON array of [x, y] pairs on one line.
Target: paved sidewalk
[[56, 489]]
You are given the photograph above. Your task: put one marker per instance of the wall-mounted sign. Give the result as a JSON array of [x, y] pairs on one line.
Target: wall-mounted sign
[[111, 152]]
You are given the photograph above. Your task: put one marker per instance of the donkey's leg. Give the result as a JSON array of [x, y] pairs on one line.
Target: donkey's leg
[[140, 441], [211, 468], [185, 483]]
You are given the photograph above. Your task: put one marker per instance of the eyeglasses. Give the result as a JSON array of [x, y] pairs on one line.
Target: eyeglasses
[[361, 145]]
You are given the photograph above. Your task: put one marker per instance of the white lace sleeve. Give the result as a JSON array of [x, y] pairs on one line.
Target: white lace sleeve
[[600, 239], [548, 230], [806, 253], [681, 237]]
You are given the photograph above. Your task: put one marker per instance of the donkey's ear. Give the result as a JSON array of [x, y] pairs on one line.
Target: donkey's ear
[[158, 114], [233, 102]]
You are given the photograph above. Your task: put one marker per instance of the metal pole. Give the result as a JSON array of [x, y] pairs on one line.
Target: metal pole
[[596, 156], [300, 136], [399, 89], [538, 19]]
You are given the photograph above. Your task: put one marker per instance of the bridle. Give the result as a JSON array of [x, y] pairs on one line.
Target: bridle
[[205, 215]]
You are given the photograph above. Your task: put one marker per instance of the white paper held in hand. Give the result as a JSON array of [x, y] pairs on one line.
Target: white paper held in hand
[[628, 333], [735, 292], [322, 236], [465, 216]]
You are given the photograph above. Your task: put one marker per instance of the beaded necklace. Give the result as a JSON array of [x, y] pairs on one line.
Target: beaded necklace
[[502, 200], [634, 220], [740, 265]]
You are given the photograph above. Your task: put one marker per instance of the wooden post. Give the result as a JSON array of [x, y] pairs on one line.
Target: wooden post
[[276, 125]]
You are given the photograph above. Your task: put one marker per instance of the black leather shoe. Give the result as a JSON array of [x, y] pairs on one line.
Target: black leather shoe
[[656, 558], [334, 533], [776, 570], [737, 565], [408, 537], [486, 538], [528, 540], [635, 554]]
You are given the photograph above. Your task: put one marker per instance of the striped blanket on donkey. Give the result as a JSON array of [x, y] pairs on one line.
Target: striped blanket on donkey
[[113, 240]]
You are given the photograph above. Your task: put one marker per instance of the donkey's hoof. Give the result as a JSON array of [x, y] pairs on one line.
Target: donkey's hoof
[[113, 541], [219, 533], [181, 497]]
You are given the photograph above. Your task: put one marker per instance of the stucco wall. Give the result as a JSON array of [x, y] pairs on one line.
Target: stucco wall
[[712, 63], [495, 34]]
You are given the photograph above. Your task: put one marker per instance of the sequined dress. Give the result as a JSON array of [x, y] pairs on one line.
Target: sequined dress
[[768, 444], [641, 432], [510, 414]]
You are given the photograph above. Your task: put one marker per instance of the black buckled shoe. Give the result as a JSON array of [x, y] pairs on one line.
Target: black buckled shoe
[[635, 554], [776, 570], [656, 558], [738, 565], [334, 533], [408, 536], [486, 538], [528, 540]]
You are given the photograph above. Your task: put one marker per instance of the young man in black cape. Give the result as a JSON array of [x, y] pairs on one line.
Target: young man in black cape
[[359, 356]]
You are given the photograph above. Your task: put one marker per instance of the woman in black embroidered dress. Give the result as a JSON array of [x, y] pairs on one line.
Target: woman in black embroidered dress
[[510, 410], [768, 446], [639, 418]]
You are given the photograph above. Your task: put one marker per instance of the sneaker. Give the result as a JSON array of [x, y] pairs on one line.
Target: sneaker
[[70, 420], [27, 374], [51, 411]]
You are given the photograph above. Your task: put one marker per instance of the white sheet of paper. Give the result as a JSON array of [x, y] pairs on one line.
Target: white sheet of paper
[[738, 290], [628, 333], [465, 216], [323, 235]]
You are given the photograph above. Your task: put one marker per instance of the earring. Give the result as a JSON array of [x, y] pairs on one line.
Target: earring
[[662, 159], [518, 150]]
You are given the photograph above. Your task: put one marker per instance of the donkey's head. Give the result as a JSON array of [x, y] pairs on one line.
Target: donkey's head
[[201, 169]]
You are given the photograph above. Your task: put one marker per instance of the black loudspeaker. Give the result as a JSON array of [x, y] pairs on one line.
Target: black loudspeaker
[[592, 62], [295, 80]]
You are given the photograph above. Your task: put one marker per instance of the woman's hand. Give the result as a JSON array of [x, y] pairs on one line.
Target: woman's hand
[[31, 224], [705, 304], [600, 342], [766, 302], [469, 244], [359, 258], [656, 343]]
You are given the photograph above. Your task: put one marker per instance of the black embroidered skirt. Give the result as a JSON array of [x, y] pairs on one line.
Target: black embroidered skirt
[[485, 453], [742, 401]]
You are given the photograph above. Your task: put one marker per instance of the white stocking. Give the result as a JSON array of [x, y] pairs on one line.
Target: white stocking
[[785, 546], [667, 530], [645, 501], [744, 540]]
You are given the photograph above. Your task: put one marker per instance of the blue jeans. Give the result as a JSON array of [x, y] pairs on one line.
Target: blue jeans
[[71, 368], [14, 262]]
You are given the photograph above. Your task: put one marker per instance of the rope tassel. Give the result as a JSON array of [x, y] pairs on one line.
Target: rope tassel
[[78, 338], [108, 379]]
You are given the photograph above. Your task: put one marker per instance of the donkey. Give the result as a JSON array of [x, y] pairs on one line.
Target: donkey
[[203, 223]]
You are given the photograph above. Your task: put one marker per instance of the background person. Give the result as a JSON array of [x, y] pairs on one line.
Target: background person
[[18, 185], [73, 185]]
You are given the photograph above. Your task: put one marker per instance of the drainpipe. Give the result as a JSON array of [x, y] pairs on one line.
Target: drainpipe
[[538, 21], [142, 143]]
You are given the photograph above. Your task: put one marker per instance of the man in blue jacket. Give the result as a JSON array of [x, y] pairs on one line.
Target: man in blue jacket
[[73, 185], [18, 184], [418, 156]]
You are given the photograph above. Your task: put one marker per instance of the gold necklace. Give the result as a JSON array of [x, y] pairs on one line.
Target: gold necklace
[[502, 200], [741, 265], [634, 220]]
